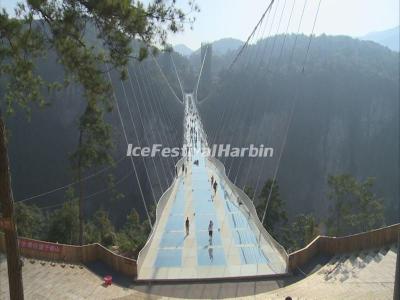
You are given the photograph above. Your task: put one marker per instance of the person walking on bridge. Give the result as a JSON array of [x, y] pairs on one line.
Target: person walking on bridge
[[210, 229], [215, 187], [187, 226]]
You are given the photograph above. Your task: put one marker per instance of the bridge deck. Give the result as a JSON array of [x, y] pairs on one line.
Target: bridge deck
[[236, 247]]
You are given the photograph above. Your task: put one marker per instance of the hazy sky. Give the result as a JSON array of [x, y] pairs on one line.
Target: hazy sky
[[236, 18]]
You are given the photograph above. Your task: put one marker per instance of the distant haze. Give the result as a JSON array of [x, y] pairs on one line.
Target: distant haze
[[236, 18], [388, 38]]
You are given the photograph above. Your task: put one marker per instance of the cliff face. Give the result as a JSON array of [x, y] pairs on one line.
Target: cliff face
[[345, 120], [40, 148]]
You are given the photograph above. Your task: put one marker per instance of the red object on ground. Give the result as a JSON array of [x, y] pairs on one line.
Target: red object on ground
[[108, 280]]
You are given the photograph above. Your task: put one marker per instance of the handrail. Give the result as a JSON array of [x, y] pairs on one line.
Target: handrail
[[250, 209], [160, 208], [346, 244], [66, 253]]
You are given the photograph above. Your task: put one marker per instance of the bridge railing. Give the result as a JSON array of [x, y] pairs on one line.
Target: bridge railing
[[71, 254], [250, 209], [339, 245], [160, 208]]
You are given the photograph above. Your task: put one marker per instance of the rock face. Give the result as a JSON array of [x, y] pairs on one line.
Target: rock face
[[345, 120], [40, 148], [345, 117]]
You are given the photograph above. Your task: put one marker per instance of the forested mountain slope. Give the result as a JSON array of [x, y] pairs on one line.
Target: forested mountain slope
[[345, 120], [40, 148]]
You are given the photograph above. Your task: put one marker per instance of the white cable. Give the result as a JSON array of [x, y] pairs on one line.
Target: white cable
[[166, 80], [142, 124], [149, 114], [133, 163], [70, 184], [177, 76], [137, 139], [200, 73], [93, 194]]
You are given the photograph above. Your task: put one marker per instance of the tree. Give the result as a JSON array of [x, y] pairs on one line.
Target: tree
[[249, 191], [63, 222], [355, 207], [114, 195], [275, 214], [133, 235], [93, 150], [61, 27], [30, 221], [302, 231], [100, 229]]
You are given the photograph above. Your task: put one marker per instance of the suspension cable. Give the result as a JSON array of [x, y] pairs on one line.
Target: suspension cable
[[133, 163], [277, 62], [72, 183], [177, 75], [123, 178], [138, 141], [166, 80], [142, 125], [251, 35], [200, 73], [142, 91], [155, 109], [240, 51], [291, 115], [265, 106]]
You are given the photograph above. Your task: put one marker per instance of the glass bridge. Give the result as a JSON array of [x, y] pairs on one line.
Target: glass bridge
[[239, 246]]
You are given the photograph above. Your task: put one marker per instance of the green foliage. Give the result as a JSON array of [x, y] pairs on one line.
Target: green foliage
[[115, 196], [133, 235], [249, 191], [276, 214], [21, 44], [302, 231], [64, 27], [63, 226], [100, 229], [63, 222], [130, 237], [291, 236], [355, 207], [30, 221], [93, 150], [41, 27]]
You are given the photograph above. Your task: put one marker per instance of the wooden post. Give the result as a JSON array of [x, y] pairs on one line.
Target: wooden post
[[7, 207], [81, 206]]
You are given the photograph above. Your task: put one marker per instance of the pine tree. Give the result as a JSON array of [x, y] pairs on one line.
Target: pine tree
[[41, 27]]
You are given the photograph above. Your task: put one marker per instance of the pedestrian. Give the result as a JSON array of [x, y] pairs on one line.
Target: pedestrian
[[210, 229], [187, 225], [183, 167], [212, 180], [215, 187]]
